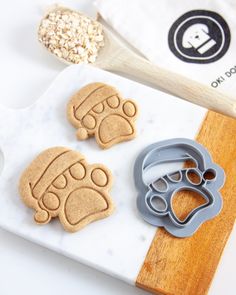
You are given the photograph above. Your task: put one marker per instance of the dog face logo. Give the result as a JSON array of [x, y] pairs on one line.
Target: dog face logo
[[199, 36]]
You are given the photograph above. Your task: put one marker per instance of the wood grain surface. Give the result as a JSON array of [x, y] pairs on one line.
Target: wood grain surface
[[187, 266]]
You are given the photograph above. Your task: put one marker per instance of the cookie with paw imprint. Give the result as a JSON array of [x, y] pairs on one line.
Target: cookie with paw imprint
[[60, 183], [99, 110]]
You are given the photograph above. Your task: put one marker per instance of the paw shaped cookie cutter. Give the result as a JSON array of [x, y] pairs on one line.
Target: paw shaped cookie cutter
[[59, 182], [154, 200], [99, 110]]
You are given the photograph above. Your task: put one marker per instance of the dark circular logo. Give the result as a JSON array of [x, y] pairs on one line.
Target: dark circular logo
[[199, 36]]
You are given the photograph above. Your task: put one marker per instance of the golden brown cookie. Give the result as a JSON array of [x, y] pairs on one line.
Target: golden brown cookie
[[99, 110], [59, 182]]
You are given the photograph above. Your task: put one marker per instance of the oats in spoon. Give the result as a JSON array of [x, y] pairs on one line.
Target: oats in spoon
[[71, 35]]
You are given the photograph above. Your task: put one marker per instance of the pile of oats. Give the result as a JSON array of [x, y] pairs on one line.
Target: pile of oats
[[71, 35]]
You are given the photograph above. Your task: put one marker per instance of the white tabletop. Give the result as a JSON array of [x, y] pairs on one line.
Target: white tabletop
[[26, 72]]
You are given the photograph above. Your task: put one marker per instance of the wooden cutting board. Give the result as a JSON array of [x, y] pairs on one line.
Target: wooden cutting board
[[126, 246]]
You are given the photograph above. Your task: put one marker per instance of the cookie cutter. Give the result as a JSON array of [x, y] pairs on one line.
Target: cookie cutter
[[154, 199]]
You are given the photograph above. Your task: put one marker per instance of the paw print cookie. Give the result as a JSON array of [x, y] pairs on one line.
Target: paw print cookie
[[60, 183], [99, 110]]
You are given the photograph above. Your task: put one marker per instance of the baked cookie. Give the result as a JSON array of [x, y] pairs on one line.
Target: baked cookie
[[99, 110], [59, 182]]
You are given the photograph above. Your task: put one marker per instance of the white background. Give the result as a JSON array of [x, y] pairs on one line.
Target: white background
[[26, 72]]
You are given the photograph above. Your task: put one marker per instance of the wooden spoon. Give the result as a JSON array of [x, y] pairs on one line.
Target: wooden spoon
[[117, 57]]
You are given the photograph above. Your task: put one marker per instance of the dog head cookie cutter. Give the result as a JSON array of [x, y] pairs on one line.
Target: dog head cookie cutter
[[154, 200]]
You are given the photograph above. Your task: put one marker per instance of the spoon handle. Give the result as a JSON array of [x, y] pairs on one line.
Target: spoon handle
[[127, 62]]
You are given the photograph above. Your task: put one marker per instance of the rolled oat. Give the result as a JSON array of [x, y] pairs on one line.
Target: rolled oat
[[71, 35]]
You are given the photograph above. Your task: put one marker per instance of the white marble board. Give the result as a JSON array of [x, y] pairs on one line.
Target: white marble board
[[116, 245]]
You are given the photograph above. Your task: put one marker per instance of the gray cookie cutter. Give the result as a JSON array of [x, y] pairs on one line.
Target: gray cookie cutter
[[154, 199]]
